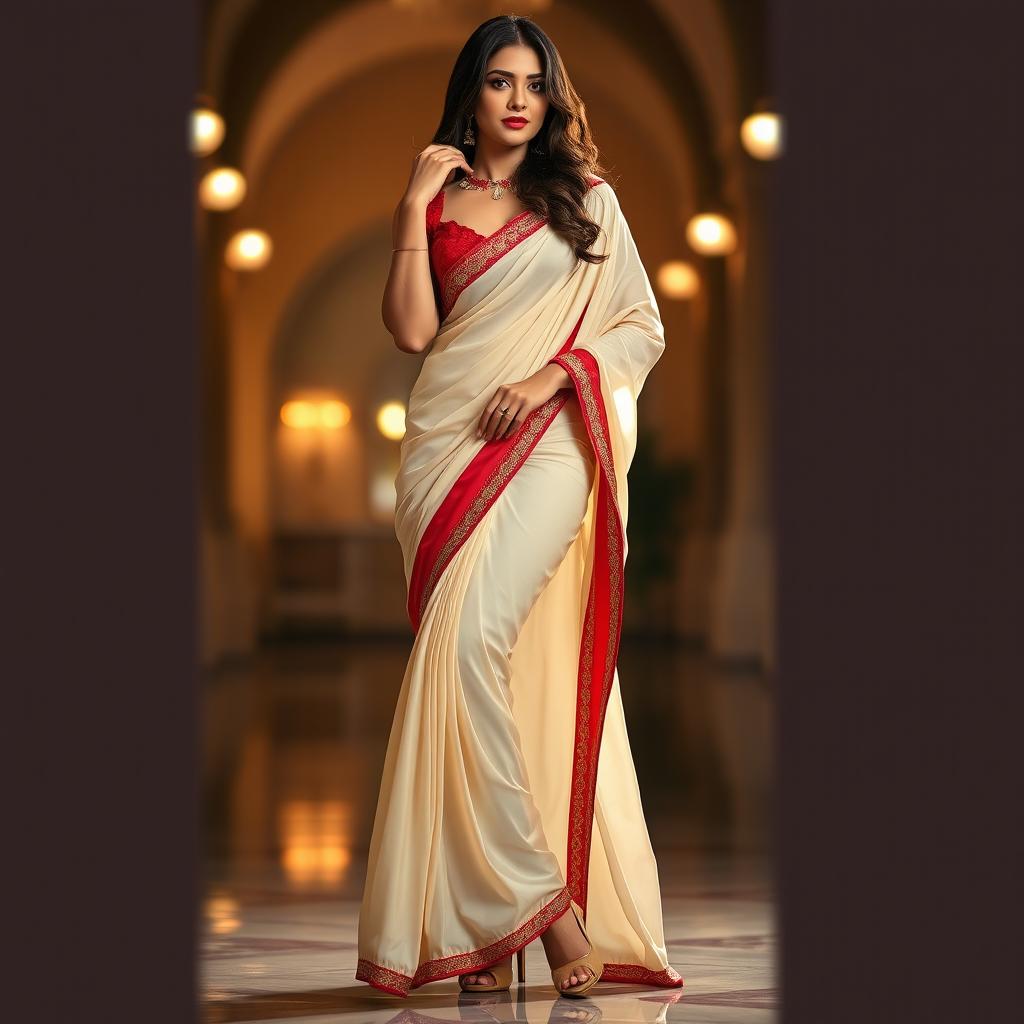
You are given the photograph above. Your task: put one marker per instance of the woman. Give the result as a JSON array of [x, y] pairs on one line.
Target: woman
[[497, 822]]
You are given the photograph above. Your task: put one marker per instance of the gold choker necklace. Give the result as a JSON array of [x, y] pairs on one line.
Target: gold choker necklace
[[498, 185]]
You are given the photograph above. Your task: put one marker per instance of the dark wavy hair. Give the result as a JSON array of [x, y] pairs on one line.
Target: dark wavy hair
[[552, 179]]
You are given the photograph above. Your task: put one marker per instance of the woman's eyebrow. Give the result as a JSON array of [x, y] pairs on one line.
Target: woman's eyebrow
[[512, 74]]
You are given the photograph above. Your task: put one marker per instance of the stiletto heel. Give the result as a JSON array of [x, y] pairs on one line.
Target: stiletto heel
[[590, 960], [521, 965]]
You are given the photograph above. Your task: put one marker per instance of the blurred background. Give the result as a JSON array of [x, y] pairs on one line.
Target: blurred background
[[306, 122]]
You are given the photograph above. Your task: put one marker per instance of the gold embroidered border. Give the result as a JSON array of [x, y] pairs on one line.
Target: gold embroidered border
[[462, 963], [504, 240], [611, 520], [586, 753], [382, 977], [505, 469], [669, 977], [577, 870]]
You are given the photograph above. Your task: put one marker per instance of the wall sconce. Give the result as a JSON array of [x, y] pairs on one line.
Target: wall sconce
[[678, 279], [207, 131], [327, 414], [223, 188], [248, 250], [391, 420], [761, 133], [711, 234]]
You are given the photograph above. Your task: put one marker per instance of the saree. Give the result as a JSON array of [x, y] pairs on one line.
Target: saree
[[508, 786]]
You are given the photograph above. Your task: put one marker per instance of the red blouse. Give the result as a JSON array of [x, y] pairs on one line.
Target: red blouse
[[451, 243]]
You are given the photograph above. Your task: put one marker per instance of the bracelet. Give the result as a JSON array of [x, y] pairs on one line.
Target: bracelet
[[408, 250]]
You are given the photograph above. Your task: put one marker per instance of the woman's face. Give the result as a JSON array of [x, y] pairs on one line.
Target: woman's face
[[513, 88]]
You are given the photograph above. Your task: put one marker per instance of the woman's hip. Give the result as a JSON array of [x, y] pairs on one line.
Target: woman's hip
[[535, 520]]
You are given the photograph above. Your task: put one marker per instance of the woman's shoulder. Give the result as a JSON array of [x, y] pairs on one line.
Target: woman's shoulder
[[600, 192], [600, 198]]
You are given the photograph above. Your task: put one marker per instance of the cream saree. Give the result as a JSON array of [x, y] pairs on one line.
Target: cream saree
[[508, 784]]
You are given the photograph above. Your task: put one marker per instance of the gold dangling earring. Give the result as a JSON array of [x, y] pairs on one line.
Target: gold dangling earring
[[469, 137]]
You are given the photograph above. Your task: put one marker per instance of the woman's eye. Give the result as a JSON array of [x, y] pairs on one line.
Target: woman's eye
[[540, 85]]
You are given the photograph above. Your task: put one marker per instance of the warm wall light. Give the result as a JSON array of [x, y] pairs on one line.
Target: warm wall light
[[304, 414], [711, 234], [315, 838], [678, 279], [223, 188], [207, 131], [299, 415], [332, 414], [761, 135], [391, 420], [383, 494], [248, 250]]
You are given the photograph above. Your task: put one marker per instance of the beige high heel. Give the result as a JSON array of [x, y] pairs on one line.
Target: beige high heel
[[590, 960], [502, 972]]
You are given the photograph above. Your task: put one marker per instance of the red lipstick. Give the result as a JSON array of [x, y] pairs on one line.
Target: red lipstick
[[514, 122]]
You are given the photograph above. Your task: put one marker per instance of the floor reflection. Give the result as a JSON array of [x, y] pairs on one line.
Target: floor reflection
[[294, 745]]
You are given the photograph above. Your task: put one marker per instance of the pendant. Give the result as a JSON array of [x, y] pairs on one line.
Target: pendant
[[497, 191]]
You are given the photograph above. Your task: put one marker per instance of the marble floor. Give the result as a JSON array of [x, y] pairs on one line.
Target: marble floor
[[294, 743]]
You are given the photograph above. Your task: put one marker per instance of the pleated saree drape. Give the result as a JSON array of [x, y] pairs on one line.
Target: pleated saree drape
[[508, 784]]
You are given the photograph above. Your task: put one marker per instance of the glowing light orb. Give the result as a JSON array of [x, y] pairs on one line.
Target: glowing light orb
[[391, 420], [761, 135], [207, 131], [678, 279], [223, 188], [711, 234], [248, 250]]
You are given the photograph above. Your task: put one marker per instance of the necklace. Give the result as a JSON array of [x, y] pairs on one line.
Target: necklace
[[498, 186]]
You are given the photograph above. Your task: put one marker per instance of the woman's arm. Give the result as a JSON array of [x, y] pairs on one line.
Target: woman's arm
[[409, 308]]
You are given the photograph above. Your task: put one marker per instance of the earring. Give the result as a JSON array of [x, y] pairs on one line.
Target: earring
[[469, 137]]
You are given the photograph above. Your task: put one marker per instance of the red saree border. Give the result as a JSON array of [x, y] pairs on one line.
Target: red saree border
[[485, 254], [602, 624], [473, 493], [398, 984], [464, 963], [637, 974]]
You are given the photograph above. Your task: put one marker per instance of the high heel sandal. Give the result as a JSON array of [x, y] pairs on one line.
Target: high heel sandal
[[590, 960], [502, 972]]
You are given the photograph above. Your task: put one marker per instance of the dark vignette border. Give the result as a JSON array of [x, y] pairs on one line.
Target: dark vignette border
[[897, 415], [100, 408]]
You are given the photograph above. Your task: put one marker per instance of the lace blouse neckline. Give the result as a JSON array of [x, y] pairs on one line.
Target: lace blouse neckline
[[466, 227]]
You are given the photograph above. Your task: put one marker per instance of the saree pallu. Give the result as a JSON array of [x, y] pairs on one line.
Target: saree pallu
[[508, 784]]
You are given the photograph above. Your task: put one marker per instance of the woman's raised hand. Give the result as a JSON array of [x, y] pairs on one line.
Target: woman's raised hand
[[433, 169]]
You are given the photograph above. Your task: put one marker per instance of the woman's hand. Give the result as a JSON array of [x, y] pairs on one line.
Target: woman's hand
[[432, 170], [519, 399]]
